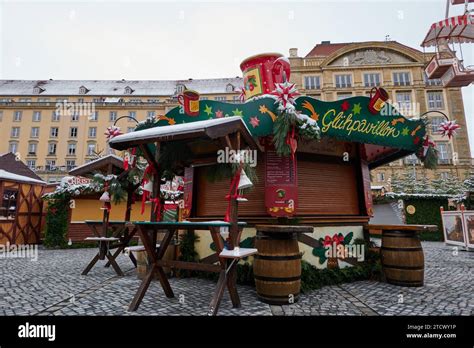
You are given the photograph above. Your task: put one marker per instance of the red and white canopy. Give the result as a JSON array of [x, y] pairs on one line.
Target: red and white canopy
[[451, 30]]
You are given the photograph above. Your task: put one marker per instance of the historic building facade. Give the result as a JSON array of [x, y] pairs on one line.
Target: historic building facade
[[56, 125], [333, 71]]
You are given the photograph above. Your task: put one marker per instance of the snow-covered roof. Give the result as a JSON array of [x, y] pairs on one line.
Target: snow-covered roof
[[172, 131], [4, 175], [116, 87], [377, 187], [98, 160]]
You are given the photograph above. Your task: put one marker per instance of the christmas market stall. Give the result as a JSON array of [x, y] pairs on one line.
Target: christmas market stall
[[171, 149], [310, 181], [21, 211]]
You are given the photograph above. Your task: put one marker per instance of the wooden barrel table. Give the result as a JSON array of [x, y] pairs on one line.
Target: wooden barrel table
[[277, 265], [402, 256]]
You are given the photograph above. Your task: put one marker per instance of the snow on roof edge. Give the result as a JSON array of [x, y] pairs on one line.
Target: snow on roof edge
[[6, 175]]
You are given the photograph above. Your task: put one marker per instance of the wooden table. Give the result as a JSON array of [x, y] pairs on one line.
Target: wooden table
[[122, 234], [226, 268]]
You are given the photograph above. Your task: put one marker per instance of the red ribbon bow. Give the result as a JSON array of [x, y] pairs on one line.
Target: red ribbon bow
[[233, 193]]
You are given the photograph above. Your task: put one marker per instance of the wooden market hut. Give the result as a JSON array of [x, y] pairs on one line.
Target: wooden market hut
[[87, 206], [21, 211]]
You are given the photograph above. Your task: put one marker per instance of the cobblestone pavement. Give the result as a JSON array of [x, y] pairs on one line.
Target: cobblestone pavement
[[53, 286]]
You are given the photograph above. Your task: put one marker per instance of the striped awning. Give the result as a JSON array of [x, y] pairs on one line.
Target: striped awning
[[458, 29]]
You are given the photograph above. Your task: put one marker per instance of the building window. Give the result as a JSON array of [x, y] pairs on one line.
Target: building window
[[25, 100], [128, 90], [32, 148], [435, 122], [17, 116], [73, 132], [432, 82], [51, 148], [31, 164], [150, 114], [371, 80], [54, 133], [80, 100], [112, 116], [83, 90], [50, 165], [94, 116], [35, 132], [71, 149], [180, 88], [13, 147], [97, 100], [403, 101], [92, 132], [435, 100], [401, 79], [75, 117], [381, 176], [43, 100], [55, 116], [312, 82], [220, 98], [444, 175], [229, 88], [36, 116], [343, 81], [204, 98], [135, 100], [132, 114], [9, 204], [412, 159], [90, 149], [444, 153], [343, 95], [15, 132], [153, 101], [70, 164]]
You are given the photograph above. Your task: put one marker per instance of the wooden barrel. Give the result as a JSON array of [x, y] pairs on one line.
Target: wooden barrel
[[402, 258], [277, 265]]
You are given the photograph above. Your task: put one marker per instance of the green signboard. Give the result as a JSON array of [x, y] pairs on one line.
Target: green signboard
[[347, 119]]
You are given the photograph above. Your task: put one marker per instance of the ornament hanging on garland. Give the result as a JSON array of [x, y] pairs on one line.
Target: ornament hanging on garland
[[448, 128], [428, 154], [105, 198], [290, 123]]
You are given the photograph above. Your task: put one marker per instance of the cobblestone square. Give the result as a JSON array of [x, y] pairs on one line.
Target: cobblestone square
[[53, 285]]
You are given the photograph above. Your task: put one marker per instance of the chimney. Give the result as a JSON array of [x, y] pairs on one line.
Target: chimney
[[293, 52], [325, 42]]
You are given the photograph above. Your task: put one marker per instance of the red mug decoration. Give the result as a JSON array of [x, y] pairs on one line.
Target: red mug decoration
[[377, 100], [262, 71], [190, 102]]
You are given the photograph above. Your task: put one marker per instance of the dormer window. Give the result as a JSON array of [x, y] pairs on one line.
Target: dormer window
[[83, 90], [128, 90], [38, 90], [180, 88], [229, 88]]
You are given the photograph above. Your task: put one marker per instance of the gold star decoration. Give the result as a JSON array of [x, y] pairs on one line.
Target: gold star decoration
[[263, 109], [208, 110], [405, 131]]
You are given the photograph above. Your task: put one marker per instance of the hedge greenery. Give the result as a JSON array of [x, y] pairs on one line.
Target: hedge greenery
[[57, 222], [427, 213]]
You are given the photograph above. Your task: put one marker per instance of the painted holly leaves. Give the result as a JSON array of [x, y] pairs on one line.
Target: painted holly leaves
[[330, 242]]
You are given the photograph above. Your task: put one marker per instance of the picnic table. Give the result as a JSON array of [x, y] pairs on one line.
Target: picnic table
[[121, 236], [226, 268]]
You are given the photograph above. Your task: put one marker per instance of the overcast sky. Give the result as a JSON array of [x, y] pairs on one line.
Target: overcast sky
[[180, 40]]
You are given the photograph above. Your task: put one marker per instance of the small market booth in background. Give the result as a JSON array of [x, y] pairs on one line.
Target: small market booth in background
[[21, 211], [87, 206]]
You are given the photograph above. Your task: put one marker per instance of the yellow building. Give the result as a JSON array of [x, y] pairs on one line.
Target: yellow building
[[334, 71], [56, 125]]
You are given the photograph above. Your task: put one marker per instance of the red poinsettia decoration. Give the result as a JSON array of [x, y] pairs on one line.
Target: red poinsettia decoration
[[327, 241], [448, 128], [286, 93], [112, 131], [338, 239]]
